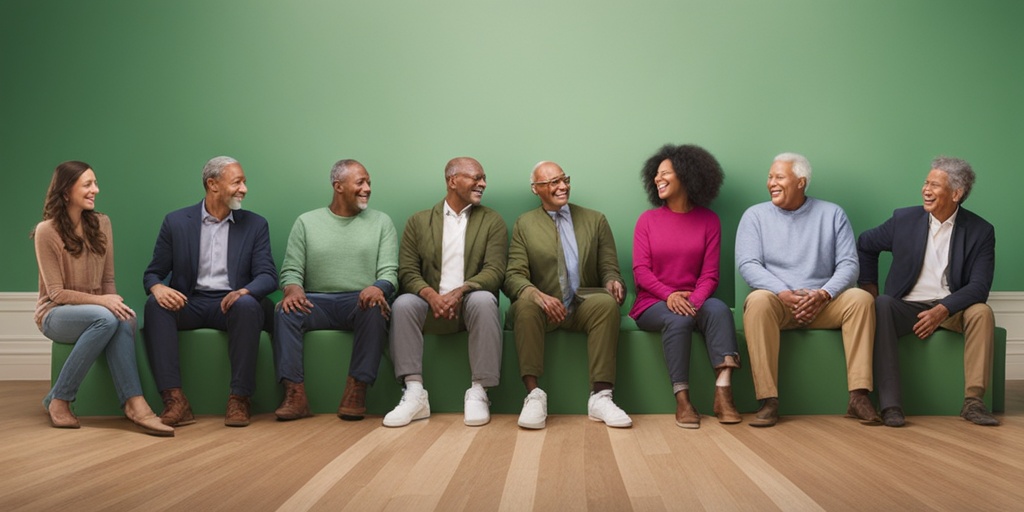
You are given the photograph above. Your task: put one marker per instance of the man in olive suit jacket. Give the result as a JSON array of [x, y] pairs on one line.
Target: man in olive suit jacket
[[450, 267], [563, 272]]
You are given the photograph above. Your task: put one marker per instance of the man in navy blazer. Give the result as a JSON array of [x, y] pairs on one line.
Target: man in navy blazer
[[943, 258], [221, 269]]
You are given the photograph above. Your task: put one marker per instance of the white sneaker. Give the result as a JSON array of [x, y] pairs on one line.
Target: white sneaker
[[478, 407], [600, 407], [535, 410], [413, 406]]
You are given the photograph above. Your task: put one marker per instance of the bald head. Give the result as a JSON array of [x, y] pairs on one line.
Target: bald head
[[550, 184], [462, 164], [545, 168]]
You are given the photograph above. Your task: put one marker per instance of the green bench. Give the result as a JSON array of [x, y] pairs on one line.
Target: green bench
[[812, 374]]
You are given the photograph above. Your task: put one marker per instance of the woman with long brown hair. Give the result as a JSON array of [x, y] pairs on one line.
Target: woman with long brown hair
[[78, 303]]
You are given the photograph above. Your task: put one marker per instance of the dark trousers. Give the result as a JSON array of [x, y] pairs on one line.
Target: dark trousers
[[895, 318], [330, 311], [242, 322], [714, 319]]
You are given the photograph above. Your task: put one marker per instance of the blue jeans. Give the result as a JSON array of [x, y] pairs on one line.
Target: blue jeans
[[714, 319], [330, 311], [92, 329]]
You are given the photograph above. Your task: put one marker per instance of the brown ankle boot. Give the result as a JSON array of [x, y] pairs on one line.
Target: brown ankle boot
[[724, 408], [686, 414], [238, 411], [177, 411], [295, 405], [353, 401]]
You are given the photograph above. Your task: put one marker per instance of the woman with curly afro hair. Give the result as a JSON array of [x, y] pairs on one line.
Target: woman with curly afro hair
[[676, 249]]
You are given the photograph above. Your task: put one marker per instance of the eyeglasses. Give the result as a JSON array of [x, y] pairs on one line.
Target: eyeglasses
[[553, 182], [474, 177]]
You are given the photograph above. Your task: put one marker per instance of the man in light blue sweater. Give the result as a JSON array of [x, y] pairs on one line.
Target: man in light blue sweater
[[340, 267], [799, 255]]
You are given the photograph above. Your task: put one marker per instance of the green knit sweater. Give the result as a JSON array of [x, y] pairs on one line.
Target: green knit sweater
[[329, 254]]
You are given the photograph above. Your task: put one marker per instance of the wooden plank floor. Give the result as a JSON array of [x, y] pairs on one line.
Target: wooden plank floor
[[322, 463]]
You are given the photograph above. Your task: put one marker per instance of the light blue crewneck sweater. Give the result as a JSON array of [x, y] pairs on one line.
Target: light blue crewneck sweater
[[810, 247]]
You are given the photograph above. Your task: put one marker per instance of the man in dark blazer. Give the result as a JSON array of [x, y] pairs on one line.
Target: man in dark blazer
[[563, 272], [451, 264], [943, 258], [221, 269]]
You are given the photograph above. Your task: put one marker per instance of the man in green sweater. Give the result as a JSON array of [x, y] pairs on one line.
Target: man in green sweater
[[563, 272], [451, 266], [340, 267]]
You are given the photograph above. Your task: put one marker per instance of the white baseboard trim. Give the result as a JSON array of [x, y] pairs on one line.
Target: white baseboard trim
[[25, 352]]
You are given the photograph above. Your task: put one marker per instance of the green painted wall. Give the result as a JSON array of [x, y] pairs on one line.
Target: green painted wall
[[869, 90]]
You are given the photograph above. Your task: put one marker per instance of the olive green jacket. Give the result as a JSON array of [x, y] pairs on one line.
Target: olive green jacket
[[534, 249]]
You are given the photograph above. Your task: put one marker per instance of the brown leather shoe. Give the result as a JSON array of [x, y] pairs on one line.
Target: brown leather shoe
[[861, 407], [686, 414], [353, 400], [59, 412], [238, 411], [768, 414], [177, 411], [975, 412], [724, 408], [295, 405]]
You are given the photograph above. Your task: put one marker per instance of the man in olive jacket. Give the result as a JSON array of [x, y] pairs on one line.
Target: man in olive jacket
[[450, 267], [563, 272]]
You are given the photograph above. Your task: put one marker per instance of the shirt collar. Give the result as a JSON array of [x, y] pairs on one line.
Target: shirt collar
[[564, 210], [448, 211], [210, 219], [934, 223]]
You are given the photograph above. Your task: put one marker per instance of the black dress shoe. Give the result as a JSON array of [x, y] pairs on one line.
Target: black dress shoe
[[975, 412], [893, 417]]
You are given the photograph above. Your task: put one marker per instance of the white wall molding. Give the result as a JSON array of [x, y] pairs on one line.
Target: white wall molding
[[25, 352], [1009, 310]]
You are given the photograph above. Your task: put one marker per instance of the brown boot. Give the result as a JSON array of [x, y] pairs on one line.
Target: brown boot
[[353, 401], [861, 408], [686, 414], [237, 414], [295, 405], [768, 414], [724, 408], [177, 411]]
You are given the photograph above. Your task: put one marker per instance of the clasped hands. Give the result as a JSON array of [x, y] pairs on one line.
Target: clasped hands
[[295, 300], [805, 304], [555, 309], [445, 306]]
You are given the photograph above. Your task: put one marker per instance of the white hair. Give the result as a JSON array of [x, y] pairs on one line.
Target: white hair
[[801, 167]]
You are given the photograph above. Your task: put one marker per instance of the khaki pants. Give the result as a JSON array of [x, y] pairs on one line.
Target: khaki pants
[[765, 315]]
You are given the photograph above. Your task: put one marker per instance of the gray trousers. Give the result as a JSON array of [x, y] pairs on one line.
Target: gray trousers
[[480, 316]]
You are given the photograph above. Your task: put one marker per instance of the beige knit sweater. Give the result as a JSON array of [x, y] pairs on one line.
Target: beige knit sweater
[[66, 279]]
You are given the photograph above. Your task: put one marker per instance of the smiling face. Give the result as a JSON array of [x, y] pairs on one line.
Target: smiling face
[[940, 199], [82, 195], [466, 187], [352, 191], [786, 190], [226, 191], [551, 186], [667, 182]]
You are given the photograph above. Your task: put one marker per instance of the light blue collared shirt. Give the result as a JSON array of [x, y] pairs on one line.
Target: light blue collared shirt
[[213, 253]]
